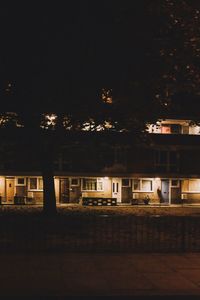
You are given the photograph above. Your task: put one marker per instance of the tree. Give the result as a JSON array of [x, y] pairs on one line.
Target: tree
[[175, 52], [67, 80]]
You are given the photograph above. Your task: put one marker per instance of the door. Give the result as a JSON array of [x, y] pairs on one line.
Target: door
[[176, 191], [10, 189], [64, 190], [165, 191], [116, 189]]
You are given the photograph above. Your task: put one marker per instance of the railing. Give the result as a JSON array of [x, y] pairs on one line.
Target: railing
[[24, 233], [97, 201]]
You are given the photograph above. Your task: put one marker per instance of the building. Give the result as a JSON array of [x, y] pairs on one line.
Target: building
[[164, 167]]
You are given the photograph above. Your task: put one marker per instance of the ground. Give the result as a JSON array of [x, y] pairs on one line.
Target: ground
[[142, 210], [78, 228], [137, 210]]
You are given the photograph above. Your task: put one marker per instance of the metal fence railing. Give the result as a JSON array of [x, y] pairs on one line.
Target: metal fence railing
[[99, 233]]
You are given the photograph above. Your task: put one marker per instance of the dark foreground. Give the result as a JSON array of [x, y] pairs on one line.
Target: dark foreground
[[90, 275], [87, 255], [32, 232]]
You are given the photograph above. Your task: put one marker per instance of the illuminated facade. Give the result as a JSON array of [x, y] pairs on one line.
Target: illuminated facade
[[166, 191], [174, 126], [166, 169]]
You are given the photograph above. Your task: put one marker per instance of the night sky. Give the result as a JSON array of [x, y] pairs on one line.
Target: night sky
[[56, 53]]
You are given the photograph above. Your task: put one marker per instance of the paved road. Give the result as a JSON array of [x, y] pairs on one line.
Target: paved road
[[61, 275]]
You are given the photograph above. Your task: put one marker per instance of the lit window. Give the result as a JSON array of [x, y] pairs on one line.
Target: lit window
[[92, 184], [143, 185], [194, 185], [40, 184], [166, 129], [35, 183], [99, 185], [146, 185], [136, 184]]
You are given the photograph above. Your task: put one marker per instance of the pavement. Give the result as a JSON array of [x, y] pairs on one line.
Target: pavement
[[99, 274]]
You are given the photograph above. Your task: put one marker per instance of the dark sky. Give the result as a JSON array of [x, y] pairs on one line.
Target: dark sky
[[70, 49]]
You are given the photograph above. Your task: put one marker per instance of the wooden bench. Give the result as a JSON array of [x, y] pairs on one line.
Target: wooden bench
[[96, 201]]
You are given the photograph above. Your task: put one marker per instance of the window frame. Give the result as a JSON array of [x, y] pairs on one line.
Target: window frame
[[20, 184], [177, 185], [193, 191], [168, 164], [37, 188], [140, 185], [129, 182], [78, 181], [97, 180]]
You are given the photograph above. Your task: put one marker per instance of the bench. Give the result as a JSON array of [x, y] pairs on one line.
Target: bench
[[96, 201]]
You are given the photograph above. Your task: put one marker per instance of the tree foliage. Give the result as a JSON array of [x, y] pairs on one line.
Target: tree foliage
[[175, 50]]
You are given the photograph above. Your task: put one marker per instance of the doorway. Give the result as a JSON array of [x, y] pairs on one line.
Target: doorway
[[64, 190], [117, 189], [10, 189], [165, 191], [176, 191]]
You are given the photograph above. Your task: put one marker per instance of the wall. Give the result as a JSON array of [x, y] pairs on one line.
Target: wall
[[106, 193], [192, 190], [2, 187], [38, 197], [56, 182], [154, 198]]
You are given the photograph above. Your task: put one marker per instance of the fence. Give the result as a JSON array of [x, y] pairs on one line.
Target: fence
[[99, 233]]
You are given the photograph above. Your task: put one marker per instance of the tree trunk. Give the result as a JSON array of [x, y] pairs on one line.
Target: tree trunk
[[47, 167], [49, 204]]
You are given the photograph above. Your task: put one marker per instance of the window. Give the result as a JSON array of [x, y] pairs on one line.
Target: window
[[143, 185], [146, 185], [20, 181], [190, 185], [194, 185], [175, 129], [175, 183], [166, 161], [74, 181], [125, 182], [171, 128], [35, 183], [40, 184], [136, 184], [166, 129], [92, 184]]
